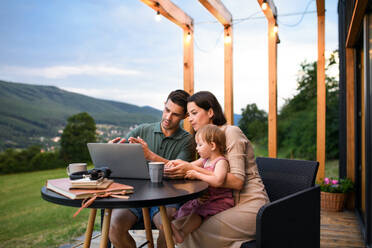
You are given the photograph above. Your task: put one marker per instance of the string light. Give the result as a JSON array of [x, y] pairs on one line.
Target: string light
[[158, 17], [264, 5], [227, 39], [188, 37], [276, 29]]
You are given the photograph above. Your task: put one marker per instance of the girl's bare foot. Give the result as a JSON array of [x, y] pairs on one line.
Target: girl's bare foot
[[178, 235]]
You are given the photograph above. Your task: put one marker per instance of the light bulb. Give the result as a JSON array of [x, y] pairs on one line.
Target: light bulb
[[275, 29], [158, 17], [264, 6], [188, 37], [227, 39]]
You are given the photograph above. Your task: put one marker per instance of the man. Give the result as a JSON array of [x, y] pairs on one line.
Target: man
[[161, 142]]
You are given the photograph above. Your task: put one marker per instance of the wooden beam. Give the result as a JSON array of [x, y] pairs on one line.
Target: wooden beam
[[272, 8], [228, 74], [172, 12], [321, 99], [356, 22], [218, 10], [271, 11], [272, 117], [320, 7], [188, 69]]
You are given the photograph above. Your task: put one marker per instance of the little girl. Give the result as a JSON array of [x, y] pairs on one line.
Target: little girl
[[211, 146]]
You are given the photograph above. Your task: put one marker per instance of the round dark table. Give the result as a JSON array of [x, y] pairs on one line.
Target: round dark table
[[146, 194]]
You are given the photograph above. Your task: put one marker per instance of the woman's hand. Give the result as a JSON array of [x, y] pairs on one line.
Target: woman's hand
[[177, 168], [191, 174], [173, 163]]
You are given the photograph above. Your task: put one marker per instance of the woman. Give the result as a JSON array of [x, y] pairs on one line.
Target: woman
[[236, 225]]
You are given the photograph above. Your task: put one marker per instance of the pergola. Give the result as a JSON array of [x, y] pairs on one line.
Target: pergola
[[172, 12]]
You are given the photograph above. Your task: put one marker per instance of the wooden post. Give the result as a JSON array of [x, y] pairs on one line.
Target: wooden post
[[188, 69], [321, 94], [350, 121], [350, 112], [229, 89], [271, 12], [222, 14], [272, 118]]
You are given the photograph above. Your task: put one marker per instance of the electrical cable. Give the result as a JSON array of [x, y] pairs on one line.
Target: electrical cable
[[301, 18], [253, 16], [210, 50]]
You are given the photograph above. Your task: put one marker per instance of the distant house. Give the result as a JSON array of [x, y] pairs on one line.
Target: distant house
[[355, 49]]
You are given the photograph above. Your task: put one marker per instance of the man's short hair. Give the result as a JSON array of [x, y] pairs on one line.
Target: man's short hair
[[179, 97]]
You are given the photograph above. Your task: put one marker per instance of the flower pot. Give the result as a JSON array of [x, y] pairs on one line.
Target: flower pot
[[332, 201]]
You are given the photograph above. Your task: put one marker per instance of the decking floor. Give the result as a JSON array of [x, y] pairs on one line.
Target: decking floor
[[337, 229], [340, 229]]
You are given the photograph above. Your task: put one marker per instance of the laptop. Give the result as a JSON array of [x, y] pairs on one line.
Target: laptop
[[125, 160]]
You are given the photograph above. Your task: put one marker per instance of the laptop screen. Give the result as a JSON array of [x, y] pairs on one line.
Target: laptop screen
[[125, 160]]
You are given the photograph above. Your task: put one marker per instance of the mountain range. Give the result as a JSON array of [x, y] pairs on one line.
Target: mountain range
[[35, 114], [31, 113]]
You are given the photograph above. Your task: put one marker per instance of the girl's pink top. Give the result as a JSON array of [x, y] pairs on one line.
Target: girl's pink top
[[219, 199]]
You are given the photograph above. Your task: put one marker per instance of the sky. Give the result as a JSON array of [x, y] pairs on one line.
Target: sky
[[116, 50]]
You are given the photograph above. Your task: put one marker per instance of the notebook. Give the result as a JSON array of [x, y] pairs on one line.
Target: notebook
[[63, 187], [125, 160]]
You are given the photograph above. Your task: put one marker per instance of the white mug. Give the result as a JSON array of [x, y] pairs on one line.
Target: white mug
[[76, 167], [156, 171]]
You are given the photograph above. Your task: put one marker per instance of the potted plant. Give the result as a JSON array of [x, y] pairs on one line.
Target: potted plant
[[333, 193]]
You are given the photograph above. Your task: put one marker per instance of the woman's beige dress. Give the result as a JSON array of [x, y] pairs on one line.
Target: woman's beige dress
[[236, 225]]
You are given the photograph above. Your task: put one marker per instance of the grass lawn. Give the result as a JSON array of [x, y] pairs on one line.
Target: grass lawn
[[331, 166], [27, 220]]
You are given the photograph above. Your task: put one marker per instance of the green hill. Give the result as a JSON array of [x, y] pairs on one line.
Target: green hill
[[29, 114]]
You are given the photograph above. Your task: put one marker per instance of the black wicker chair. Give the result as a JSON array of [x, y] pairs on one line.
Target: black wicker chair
[[292, 218]]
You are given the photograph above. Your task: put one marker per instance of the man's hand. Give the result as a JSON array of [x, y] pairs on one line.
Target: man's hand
[[117, 140], [146, 150]]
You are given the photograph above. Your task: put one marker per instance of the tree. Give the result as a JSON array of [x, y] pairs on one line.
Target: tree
[[80, 130], [30, 159], [254, 123], [297, 118]]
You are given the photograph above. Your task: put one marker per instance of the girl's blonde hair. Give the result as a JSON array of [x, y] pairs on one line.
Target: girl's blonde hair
[[211, 133]]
